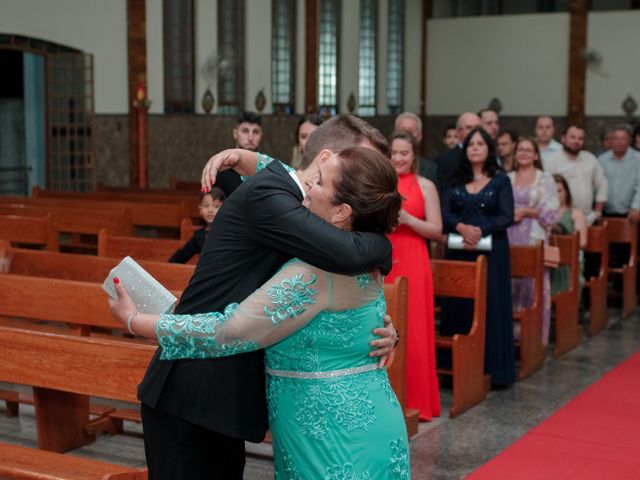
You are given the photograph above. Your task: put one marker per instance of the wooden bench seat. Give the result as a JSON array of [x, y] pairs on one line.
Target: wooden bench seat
[[24, 463], [621, 230], [37, 231], [597, 286], [153, 249], [567, 303], [396, 296], [528, 262], [459, 279], [64, 371]]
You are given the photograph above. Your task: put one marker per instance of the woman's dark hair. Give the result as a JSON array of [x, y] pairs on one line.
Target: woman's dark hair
[[464, 174], [408, 137], [537, 163], [563, 181], [313, 118], [369, 184]]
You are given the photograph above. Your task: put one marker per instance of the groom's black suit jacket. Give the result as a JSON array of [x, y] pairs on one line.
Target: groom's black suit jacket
[[260, 227]]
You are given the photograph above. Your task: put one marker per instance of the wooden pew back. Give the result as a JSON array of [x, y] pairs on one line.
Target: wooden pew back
[[621, 230], [468, 280], [152, 249], [567, 303], [40, 230], [528, 262], [598, 242]]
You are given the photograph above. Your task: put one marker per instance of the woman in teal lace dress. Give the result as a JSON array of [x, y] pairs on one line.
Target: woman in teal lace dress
[[332, 412]]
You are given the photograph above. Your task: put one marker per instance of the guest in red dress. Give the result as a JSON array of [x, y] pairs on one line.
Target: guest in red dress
[[419, 219]]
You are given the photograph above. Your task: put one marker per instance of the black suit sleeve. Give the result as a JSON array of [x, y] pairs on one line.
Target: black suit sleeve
[[277, 219], [190, 249]]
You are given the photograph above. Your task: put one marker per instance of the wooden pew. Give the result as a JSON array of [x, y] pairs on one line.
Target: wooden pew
[[184, 184], [567, 303], [65, 371], [528, 262], [598, 243], [155, 215], [464, 280], [188, 201], [621, 230], [396, 295], [85, 268], [21, 229], [154, 249]]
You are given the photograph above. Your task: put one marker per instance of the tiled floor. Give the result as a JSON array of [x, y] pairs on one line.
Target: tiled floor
[[444, 449]]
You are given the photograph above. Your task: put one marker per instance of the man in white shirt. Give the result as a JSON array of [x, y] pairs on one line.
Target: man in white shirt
[[582, 172], [544, 137]]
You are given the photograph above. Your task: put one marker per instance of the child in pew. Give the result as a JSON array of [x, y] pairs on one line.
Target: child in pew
[[210, 203]]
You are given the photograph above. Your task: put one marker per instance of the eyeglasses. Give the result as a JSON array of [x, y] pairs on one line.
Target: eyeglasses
[[529, 150]]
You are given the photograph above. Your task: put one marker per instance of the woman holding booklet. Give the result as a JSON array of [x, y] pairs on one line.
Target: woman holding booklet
[[332, 412]]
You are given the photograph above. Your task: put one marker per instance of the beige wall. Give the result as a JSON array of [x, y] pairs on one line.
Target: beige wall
[[616, 37], [96, 27], [521, 59]]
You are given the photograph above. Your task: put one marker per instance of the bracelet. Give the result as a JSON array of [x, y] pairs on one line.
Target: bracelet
[[397, 338], [129, 320]]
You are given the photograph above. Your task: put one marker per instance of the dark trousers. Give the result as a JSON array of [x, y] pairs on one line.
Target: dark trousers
[[180, 450]]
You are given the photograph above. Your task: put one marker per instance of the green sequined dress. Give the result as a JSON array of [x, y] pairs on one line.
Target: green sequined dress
[[332, 414]]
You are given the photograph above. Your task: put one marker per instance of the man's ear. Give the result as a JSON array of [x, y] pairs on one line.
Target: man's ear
[[323, 156], [342, 214], [235, 133]]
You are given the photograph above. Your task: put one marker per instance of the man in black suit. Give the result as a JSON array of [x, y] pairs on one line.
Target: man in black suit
[[198, 413], [247, 134], [448, 161]]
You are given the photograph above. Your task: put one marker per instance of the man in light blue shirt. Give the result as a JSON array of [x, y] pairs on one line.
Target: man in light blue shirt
[[621, 166]]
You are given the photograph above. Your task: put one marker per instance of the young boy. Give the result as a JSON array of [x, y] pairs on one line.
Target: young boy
[[210, 203]]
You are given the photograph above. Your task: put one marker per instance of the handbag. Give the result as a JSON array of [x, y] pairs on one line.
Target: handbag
[[551, 256], [455, 241]]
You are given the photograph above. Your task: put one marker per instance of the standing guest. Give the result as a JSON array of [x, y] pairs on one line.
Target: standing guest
[[490, 121], [410, 122], [307, 124], [450, 136], [545, 131], [247, 134], [419, 219], [570, 219], [636, 138], [606, 137], [537, 204], [210, 203], [582, 172], [505, 145], [479, 203], [448, 161], [621, 166]]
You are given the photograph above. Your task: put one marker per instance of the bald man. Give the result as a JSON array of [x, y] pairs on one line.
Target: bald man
[[448, 161]]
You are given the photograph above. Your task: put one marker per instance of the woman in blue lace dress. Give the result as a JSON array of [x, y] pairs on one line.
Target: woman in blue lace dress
[[332, 412]]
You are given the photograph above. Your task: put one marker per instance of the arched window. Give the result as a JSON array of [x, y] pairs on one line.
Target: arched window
[[283, 53]]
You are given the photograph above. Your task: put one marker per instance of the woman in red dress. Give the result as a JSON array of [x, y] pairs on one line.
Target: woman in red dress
[[419, 219]]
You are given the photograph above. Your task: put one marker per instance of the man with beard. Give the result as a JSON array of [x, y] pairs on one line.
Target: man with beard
[[582, 171]]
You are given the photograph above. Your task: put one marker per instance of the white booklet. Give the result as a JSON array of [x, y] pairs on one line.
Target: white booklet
[[149, 295]]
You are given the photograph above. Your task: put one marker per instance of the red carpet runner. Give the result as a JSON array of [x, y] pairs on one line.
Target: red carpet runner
[[595, 436]]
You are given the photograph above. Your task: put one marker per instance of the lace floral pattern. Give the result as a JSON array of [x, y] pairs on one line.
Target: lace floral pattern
[[289, 298], [194, 336], [399, 468], [364, 279], [289, 470], [344, 472]]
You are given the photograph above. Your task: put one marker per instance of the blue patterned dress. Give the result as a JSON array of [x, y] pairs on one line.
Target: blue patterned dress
[[332, 413]]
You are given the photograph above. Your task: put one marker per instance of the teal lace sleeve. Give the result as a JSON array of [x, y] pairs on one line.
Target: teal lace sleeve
[[283, 305], [263, 161]]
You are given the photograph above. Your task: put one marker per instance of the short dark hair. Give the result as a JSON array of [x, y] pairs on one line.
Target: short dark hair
[[368, 182], [464, 174], [408, 137], [215, 193], [249, 117], [572, 125], [512, 134], [447, 127], [312, 118], [485, 110], [340, 132]]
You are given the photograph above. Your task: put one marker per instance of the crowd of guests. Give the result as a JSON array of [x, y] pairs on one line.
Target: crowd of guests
[[489, 186]]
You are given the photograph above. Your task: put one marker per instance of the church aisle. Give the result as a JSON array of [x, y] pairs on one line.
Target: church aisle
[[444, 449]]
